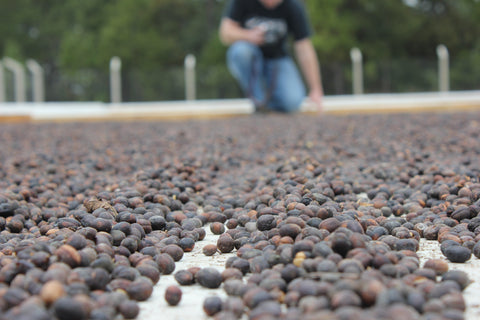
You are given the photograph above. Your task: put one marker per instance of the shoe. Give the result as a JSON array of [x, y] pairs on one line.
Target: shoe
[[261, 109]]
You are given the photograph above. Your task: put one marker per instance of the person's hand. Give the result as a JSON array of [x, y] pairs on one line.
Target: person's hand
[[316, 96], [256, 36]]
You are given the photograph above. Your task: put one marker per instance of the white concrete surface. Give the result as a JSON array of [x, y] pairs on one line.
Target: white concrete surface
[[77, 111], [431, 250], [191, 305]]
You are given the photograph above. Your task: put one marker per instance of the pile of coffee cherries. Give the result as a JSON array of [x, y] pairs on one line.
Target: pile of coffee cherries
[[325, 215]]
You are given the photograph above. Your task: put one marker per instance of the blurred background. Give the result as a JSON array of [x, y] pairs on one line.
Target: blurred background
[[74, 41]]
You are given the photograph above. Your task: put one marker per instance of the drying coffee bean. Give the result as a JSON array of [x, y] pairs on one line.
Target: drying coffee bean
[[52, 291], [448, 243], [69, 308], [217, 228], [209, 249], [149, 271], [322, 233], [187, 244], [129, 309], [438, 265], [225, 243], [212, 305], [173, 295], [209, 278], [266, 222], [184, 277], [476, 250], [458, 276], [174, 251], [231, 273], [140, 289], [458, 254], [255, 296], [165, 262]]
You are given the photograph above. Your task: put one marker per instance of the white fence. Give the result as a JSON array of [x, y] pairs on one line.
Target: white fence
[[37, 86]]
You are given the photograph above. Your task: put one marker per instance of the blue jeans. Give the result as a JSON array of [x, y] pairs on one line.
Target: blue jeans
[[272, 83]]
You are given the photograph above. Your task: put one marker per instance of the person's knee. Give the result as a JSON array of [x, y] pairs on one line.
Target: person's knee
[[241, 51], [292, 105], [290, 102]]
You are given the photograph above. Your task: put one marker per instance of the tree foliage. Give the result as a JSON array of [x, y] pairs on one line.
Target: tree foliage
[[70, 36]]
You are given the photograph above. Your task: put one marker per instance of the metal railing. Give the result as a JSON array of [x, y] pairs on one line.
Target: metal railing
[[19, 76], [356, 78]]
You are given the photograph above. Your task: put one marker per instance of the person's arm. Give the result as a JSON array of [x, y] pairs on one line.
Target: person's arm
[[231, 31], [308, 61]]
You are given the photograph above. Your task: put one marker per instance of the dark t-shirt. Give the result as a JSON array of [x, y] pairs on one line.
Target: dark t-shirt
[[289, 17]]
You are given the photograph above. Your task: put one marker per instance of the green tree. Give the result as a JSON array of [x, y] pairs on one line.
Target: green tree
[[74, 41]]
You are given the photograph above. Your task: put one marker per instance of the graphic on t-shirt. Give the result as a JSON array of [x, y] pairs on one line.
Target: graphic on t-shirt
[[275, 29]]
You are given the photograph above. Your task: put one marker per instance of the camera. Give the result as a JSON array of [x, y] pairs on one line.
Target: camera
[[274, 29]]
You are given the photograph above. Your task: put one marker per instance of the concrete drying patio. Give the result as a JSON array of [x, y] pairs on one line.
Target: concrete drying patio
[[193, 296], [98, 111]]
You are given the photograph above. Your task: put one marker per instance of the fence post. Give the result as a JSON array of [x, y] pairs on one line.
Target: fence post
[[38, 86], [2, 84], [357, 70], [115, 80], [190, 92], [443, 68], [19, 74]]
